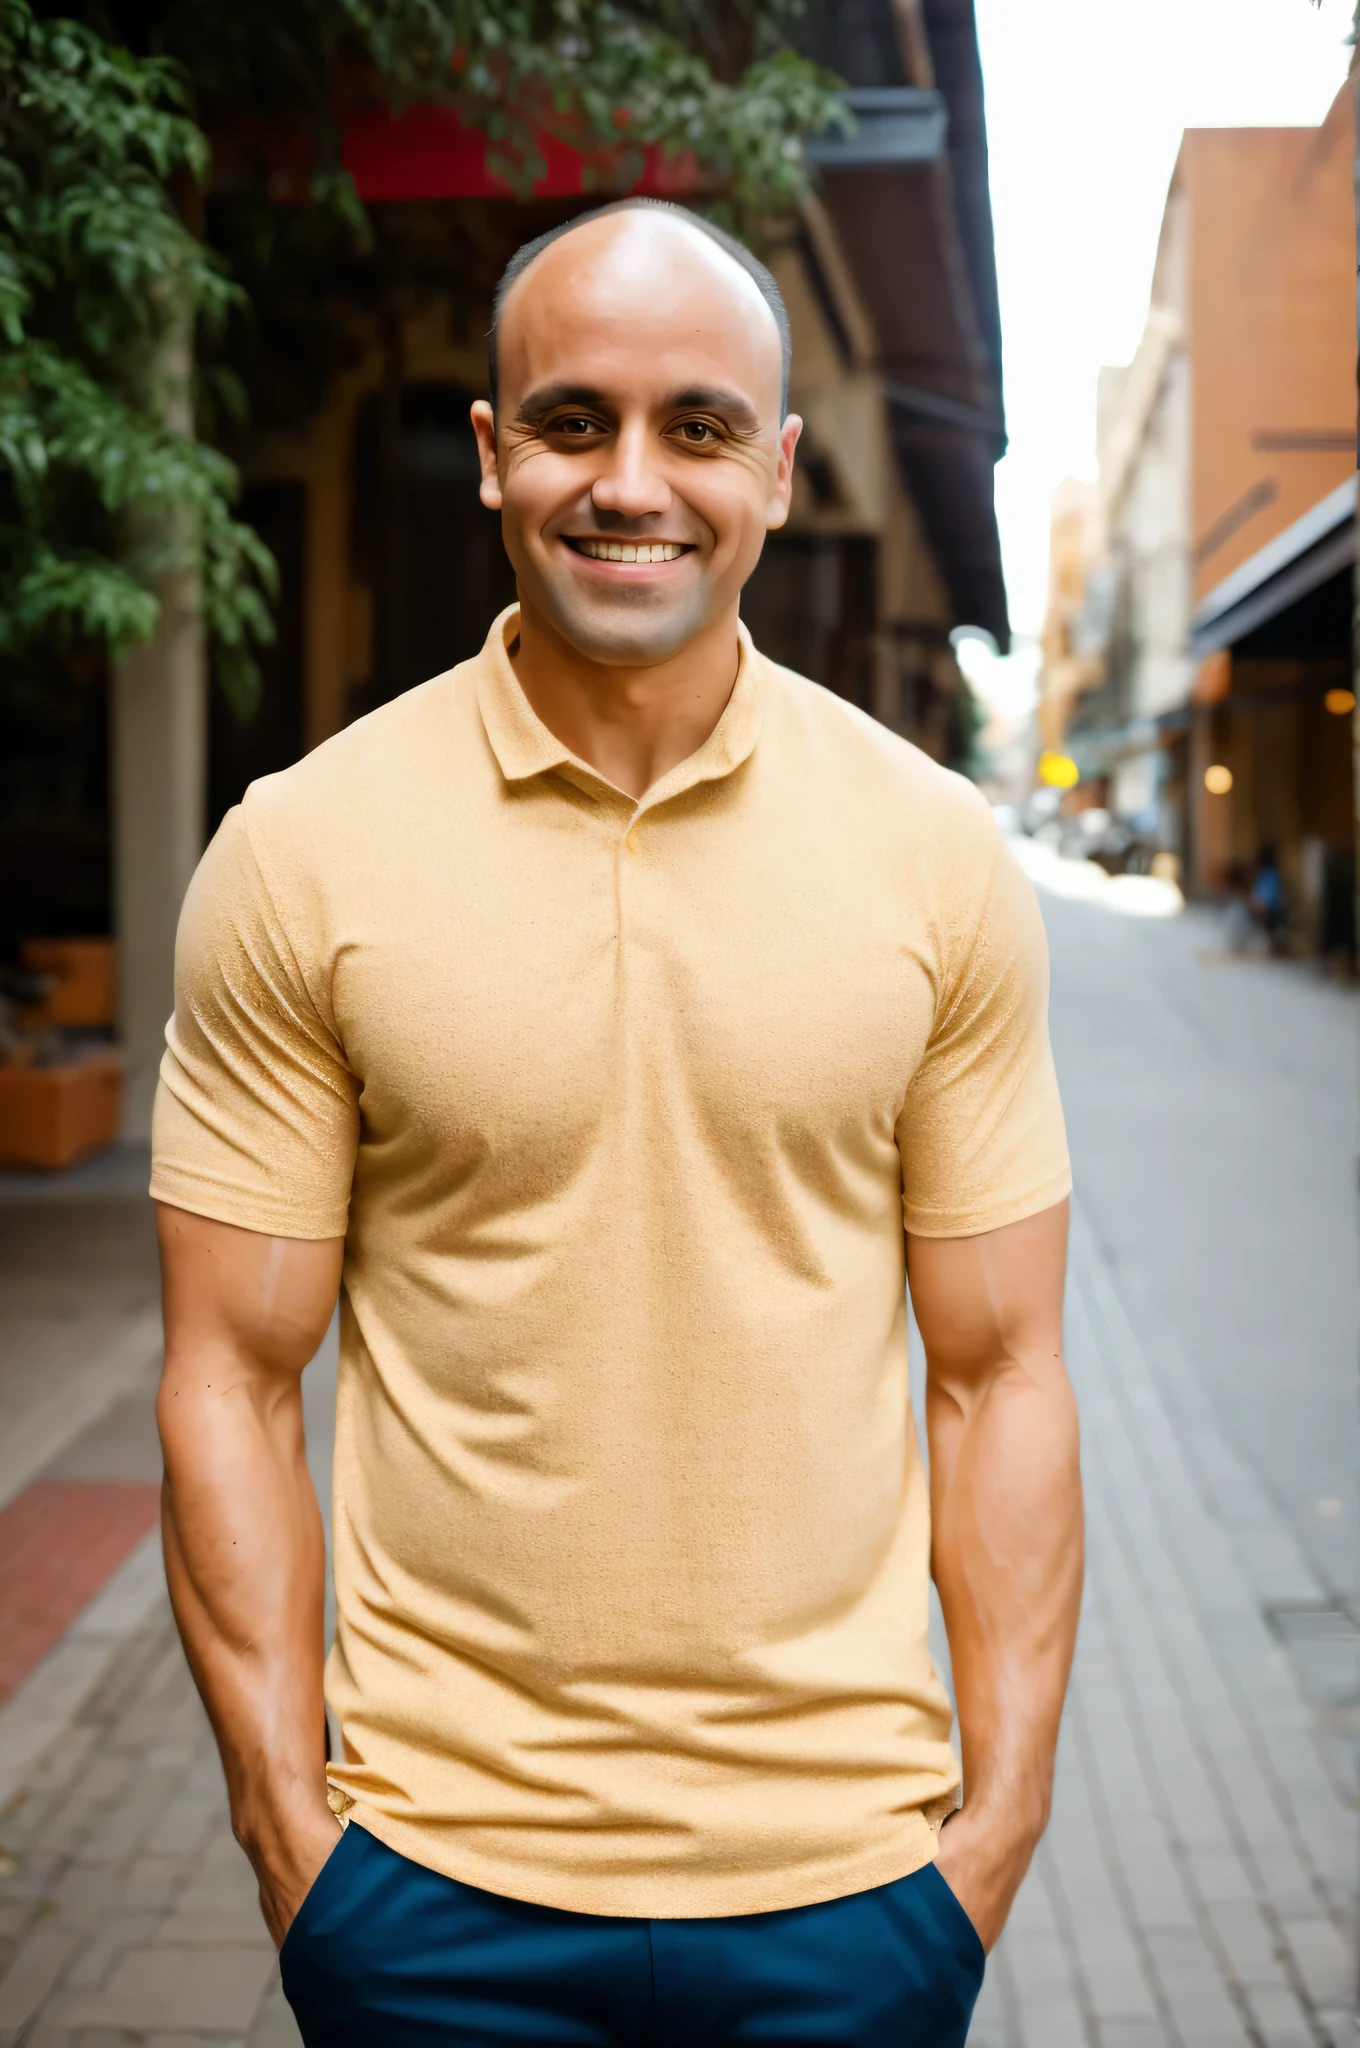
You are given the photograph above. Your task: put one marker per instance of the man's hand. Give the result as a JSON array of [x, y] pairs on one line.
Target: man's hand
[[288, 1862], [245, 1556], [1005, 1493], [983, 1862]]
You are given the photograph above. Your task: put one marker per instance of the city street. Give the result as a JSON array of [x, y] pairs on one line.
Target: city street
[[1197, 1887]]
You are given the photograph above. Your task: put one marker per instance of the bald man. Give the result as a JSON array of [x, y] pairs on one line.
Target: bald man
[[620, 1023]]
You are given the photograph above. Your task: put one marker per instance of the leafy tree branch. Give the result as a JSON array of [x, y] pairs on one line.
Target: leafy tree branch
[[96, 264]]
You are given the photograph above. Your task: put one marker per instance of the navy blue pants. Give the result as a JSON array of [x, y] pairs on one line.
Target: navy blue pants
[[387, 1954]]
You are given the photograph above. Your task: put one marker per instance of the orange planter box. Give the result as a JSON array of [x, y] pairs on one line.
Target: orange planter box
[[86, 971], [52, 1116]]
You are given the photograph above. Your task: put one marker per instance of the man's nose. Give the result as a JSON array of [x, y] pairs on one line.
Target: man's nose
[[631, 485]]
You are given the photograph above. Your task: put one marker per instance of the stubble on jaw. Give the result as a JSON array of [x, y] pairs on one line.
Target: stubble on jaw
[[625, 628]]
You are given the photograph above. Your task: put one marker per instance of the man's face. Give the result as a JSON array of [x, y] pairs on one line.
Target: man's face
[[637, 456]]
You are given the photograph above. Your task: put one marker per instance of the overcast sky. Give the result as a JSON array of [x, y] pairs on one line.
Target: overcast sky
[[1086, 103]]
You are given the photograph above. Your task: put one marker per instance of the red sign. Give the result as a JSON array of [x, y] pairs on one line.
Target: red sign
[[425, 152]]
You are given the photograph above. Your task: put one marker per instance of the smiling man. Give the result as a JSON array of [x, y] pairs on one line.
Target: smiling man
[[620, 1022]]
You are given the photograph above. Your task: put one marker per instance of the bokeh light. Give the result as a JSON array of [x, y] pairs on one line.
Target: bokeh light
[[1058, 771]]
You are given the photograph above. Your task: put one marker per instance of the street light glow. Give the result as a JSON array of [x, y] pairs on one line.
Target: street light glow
[[1218, 779], [1340, 702]]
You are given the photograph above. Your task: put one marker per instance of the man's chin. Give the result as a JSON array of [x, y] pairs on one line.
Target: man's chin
[[633, 629]]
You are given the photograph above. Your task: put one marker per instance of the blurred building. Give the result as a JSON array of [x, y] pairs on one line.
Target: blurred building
[[1072, 649], [1212, 616], [366, 490]]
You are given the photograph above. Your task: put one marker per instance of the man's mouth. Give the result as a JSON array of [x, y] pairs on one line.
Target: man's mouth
[[639, 551]]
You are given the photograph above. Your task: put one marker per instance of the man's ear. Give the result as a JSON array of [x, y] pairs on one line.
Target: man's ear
[[484, 427], [777, 505]]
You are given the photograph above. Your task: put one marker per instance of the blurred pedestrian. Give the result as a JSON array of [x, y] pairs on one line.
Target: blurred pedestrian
[[1267, 895], [1239, 924], [598, 1014]]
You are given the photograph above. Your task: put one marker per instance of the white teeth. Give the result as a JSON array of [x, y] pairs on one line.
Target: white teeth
[[630, 551]]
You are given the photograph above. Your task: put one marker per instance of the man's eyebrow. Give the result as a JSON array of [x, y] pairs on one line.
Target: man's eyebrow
[[736, 410], [535, 403], [739, 412]]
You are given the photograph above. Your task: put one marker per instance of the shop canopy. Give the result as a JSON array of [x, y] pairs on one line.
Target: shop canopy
[[1298, 566]]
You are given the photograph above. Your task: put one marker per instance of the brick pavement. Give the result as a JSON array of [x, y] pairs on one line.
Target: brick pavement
[[61, 1541], [1198, 1884]]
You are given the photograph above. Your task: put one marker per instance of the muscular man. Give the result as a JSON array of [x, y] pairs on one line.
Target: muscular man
[[617, 1022]]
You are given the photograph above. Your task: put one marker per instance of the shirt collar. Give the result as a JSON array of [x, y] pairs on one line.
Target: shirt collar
[[524, 747]]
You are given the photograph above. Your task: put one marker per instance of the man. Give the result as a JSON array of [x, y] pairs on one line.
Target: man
[[594, 1016]]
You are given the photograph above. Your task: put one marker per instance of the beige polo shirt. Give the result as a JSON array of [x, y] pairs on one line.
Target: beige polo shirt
[[620, 1107]]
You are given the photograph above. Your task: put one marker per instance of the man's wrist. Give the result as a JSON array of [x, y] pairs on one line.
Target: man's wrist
[[287, 1845], [1012, 1827], [984, 1852], [268, 1827]]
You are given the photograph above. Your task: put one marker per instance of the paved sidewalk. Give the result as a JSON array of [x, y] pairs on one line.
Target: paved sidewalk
[[1197, 1887], [127, 1913], [79, 1305]]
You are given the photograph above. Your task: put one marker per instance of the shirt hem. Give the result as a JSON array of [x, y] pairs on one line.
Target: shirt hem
[[678, 1896], [973, 1222], [219, 1207]]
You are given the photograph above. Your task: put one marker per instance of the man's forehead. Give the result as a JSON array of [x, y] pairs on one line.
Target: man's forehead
[[640, 281]]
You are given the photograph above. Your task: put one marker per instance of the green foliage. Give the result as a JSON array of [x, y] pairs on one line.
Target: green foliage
[[717, 80], [716, 77], [96, 266]]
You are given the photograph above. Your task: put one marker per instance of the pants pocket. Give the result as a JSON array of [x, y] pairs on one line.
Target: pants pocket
[[968, 1941], [942, 1959]]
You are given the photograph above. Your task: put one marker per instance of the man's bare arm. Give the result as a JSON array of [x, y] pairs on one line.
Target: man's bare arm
[[1005, 1486], [244, 1549]]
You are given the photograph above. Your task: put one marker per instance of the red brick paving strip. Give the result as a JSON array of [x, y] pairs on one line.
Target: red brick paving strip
[[61, 1541]]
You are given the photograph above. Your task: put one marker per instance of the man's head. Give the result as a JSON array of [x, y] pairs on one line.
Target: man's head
[[639, 374]]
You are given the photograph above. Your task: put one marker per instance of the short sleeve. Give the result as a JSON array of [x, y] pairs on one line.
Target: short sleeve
[[981, 1132], [256, 1120]]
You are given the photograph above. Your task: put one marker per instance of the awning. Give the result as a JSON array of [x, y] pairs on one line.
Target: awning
[[1306, 555], [425, 151], [894, 124], [908, 195]]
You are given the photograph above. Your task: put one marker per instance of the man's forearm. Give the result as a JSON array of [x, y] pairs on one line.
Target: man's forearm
[[245, 1561], [1005, 1489], [244, 1549], [1006, 1505]]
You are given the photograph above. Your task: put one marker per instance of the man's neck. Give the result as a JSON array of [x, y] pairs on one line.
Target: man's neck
[[632, 725]]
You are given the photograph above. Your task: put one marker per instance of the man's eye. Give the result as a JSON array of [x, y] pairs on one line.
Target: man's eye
[[575, 423], [696, 432]]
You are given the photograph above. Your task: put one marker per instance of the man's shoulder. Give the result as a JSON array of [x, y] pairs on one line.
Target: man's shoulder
[[369, 773], [864, 761]]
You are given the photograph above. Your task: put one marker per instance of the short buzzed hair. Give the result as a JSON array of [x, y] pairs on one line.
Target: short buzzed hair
[[730, 246]]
